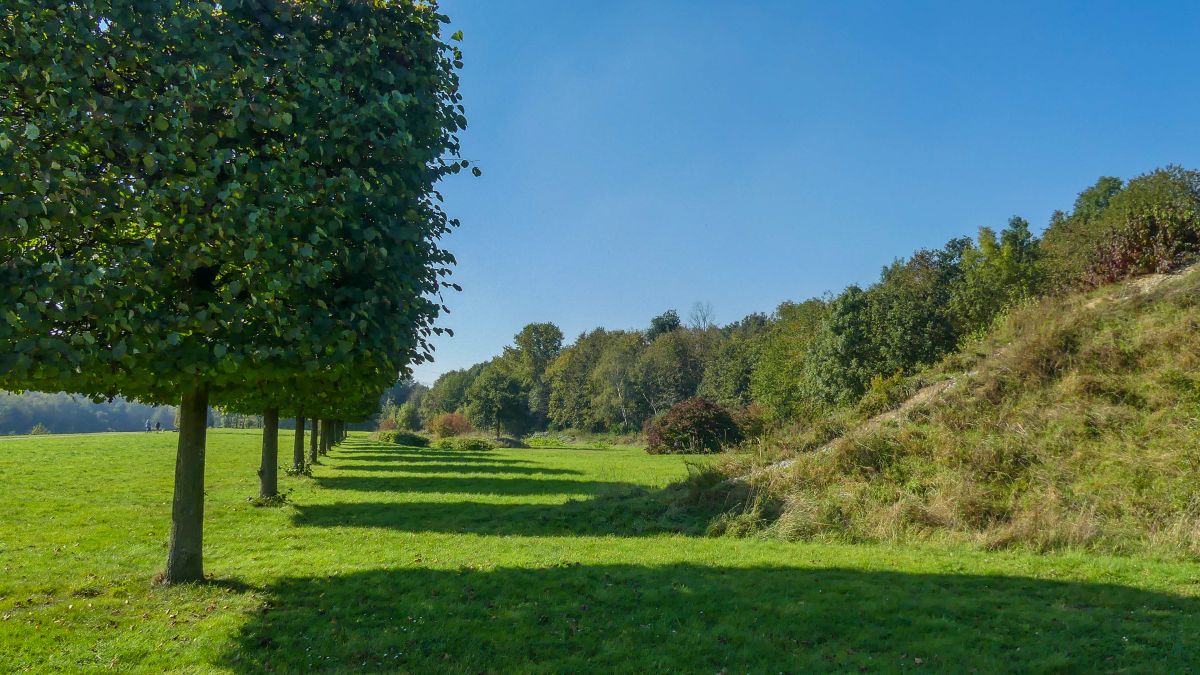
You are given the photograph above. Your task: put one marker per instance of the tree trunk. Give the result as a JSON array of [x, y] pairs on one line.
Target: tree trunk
[[298, 444], [313, 439], [268, 472], [325, 430], [185, 561]]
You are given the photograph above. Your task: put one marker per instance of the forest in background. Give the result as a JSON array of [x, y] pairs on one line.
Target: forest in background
[[812, 357], [803, 361]]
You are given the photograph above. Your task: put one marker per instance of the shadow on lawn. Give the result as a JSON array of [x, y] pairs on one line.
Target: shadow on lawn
[[480, 485], [629, 511], [399, 467], [691, 618], [381, 455]]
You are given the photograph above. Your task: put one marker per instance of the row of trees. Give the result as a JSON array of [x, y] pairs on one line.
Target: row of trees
[[223, 203], [810, 356]]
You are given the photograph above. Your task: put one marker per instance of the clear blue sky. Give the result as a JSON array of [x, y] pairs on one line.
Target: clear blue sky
[[644, 155]]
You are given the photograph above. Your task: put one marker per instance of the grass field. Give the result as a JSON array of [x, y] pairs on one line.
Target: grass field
[[552, 560]]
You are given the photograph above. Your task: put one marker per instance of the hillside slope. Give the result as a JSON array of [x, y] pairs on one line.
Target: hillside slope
[[1076, 423]]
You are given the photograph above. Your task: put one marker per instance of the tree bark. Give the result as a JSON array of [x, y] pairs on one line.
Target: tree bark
[[298, 444], [325, 429], [313, 440], [268, 471], [185, 561]]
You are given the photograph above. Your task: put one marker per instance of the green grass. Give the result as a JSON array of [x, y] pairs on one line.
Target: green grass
[[546, 560]]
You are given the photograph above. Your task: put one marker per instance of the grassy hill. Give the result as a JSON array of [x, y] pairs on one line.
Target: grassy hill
[[1074, 424], [393, 559]]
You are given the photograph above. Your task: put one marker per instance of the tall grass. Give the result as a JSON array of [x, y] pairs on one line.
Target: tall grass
[[1074, 424]]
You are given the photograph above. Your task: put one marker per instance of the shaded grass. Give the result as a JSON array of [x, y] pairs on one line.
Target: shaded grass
[[452, 570]]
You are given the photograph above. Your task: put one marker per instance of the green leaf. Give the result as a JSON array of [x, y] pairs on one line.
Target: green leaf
[[32, 132]]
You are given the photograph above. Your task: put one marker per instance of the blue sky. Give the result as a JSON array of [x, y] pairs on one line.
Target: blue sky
[[641, 156]]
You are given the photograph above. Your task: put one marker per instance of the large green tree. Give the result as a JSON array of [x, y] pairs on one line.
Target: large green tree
[[201, 197], [533, 350], [499, 399]]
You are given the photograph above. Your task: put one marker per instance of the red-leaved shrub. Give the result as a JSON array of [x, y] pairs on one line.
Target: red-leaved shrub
[[696, 425], [449, 424]]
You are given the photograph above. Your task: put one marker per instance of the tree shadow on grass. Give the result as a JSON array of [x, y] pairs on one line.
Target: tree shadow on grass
[[416, 457], [461, 469], [691, 618], [616, 509], [480, 485]]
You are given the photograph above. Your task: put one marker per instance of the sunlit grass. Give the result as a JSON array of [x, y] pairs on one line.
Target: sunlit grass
[[518, 560]]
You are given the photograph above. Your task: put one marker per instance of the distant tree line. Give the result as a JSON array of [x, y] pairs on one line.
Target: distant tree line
[[811, 356], [64, 414]]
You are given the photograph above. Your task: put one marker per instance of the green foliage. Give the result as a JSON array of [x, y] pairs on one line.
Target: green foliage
[[449, 424], [884, 394], [778, 374], [405, 438], [67, 414], [692, 426], [449, 392], [1153, 225], [727, 373], [669, 370], [465, 443], [498, 399], [995, 274], [573, 389], [204, 261], [38, 429], [408, 417], [1066, 244], [536, 347], [664, 323], [617, 386]]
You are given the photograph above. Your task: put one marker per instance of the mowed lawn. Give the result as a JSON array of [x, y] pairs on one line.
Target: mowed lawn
[[546, 560]]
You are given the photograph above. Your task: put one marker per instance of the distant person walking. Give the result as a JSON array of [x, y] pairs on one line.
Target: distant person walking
[[147, 424], [158, 426]]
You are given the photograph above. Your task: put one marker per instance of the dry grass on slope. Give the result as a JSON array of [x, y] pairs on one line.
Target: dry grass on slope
[[1076, 424]]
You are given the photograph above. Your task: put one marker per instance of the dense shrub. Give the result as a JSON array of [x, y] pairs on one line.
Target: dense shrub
[[508, 442], [1153, 225], [403, 438], [449, 424], [751, 420], [387, 424], [408, 417], [884, 394], [466, 443], [695, 425]]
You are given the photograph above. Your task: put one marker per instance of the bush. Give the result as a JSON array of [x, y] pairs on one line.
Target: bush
[[884, 394], [39, 429], [696, 425], [387, 424], [449, 424], [751, 420], [405, 438], [1153, 225], [470, 444], [408, 417]]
